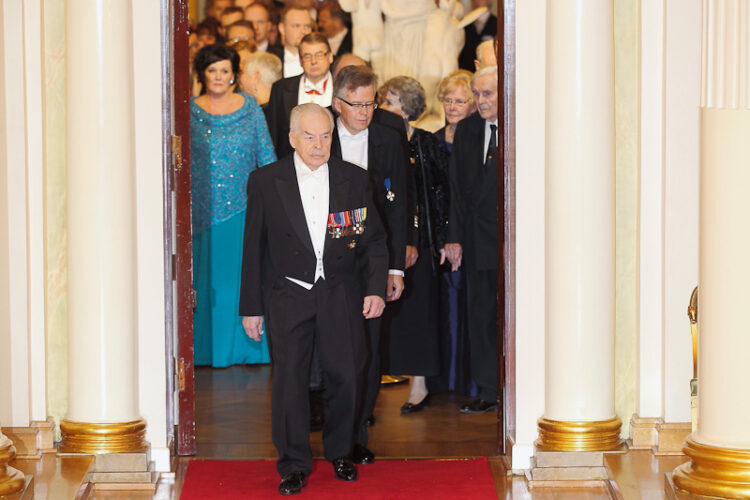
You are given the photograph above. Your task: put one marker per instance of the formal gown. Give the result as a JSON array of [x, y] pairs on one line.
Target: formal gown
[[224, 150], [455, 373], [411, 324]]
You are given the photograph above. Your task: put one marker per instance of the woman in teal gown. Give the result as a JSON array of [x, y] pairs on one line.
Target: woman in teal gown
[[229, 139]]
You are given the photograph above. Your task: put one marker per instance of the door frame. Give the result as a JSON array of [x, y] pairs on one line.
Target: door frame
[[180, 299], [506, 32], [176, 103]]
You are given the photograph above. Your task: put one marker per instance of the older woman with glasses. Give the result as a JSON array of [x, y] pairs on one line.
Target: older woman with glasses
[[458, 102], [411, 329], [454, 92]]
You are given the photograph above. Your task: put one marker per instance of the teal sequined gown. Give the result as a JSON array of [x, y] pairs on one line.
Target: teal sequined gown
[[224, 149]]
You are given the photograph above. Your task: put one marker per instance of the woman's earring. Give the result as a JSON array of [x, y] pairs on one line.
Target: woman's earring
[[231, 82]]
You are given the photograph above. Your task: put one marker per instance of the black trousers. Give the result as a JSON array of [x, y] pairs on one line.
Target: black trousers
[[371, 379], [482, 326], [328, 318]]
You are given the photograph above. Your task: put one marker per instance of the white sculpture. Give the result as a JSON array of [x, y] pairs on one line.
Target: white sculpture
[[418, 39]]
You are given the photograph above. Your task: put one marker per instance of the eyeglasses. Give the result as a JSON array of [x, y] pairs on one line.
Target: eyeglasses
[[360, 105], [457, 102], [316, 56]]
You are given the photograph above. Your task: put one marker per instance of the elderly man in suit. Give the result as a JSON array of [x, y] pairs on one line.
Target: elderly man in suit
[[472, 230], [315, 84], [314, 266], [376, 149]]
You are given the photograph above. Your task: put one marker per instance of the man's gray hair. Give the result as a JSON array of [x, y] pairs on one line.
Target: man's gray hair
[[304, 109], [484, 71]]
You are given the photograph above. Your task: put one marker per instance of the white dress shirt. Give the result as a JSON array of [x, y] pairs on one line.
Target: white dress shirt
[[314, 191], [263, 47], [336, 40], [353, 146], [481, 22], [487, 132], [324, 87], [292, 66], [354, 150]]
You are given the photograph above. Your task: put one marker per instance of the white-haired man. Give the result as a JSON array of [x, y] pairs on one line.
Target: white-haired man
[[472, 230], [315, 263]]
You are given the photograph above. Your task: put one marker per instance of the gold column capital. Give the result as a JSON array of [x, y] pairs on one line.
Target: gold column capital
[[714, 471], [557, 435], [118, 437], [11, 480]]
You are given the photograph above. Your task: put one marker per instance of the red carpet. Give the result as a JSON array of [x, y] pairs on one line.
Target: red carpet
[[387, 479]]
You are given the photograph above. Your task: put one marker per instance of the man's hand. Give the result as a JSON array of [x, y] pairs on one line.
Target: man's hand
[[395, 287], [373, 307], [253, 326], [453, 252], [412, 254]]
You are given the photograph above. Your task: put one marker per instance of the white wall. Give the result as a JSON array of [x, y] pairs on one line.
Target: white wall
[[149, 198], [530, 203], [22, 258], [682, 100], [670, 92]]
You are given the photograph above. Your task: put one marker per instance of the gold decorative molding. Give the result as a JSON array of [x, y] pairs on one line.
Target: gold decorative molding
[[714, 471], [119, 437], [555, 435], [11, 480]]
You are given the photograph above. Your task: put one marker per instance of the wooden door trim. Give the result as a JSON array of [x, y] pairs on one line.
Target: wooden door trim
[[507, 227], [183, 262]]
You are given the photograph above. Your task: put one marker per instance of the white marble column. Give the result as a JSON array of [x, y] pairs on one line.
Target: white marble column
[[103, 414], [720, 447], [580, 229]]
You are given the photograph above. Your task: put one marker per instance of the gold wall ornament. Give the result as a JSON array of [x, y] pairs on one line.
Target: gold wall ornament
[[118, 437], [714, 471], [11, 480], [556, 435]]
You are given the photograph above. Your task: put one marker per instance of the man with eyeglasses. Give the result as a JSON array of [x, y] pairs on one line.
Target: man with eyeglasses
[[378, 150], [314, 85]]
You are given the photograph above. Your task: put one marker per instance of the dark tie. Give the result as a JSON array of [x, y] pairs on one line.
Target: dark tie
[[489, 161]]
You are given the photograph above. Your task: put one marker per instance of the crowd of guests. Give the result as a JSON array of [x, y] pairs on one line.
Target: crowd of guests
[[278, 82]]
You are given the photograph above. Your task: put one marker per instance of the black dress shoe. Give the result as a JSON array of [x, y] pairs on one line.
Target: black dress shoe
[[292, 483], [362, 455], [370, 421], [478, 406], [413, 408], [345, 469]]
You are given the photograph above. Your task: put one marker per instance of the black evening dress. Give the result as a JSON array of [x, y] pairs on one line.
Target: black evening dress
[[411, 329]]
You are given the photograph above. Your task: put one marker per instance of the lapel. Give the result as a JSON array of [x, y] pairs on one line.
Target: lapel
[[338, 187], [291, 93], [288, 189], [373, 147], [336, 142]]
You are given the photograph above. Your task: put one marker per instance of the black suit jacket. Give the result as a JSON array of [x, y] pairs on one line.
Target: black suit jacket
[[277, 242], [472, 39], [278, 51], [385, 162], [474, 202], [346, 45], [284, 95]]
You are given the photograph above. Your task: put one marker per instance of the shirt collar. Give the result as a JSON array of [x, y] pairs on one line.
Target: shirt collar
[[320, 87], [345, 134], [304, 172]]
